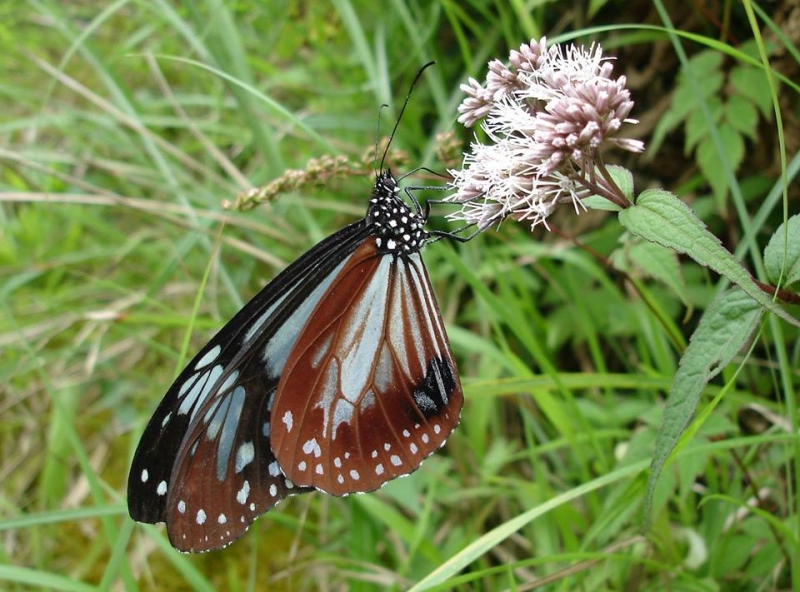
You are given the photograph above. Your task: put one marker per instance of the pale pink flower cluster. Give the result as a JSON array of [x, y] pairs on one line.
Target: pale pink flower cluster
[[547, 115]]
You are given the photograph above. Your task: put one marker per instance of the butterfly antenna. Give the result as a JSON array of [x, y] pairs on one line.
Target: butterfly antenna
[[378, 137], [403, 110]]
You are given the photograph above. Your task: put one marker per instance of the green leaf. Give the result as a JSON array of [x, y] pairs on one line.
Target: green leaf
[[660, 264], [782, 255], [742, 116], [624, 180], [726, 326], [751, 83], [662, 218], [667, 123], [704, 69], [710, 163], [698, 124], [704, 66], [640, 258], [597, 202]]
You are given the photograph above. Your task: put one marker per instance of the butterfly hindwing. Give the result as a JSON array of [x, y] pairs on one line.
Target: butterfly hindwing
[[225, 474], [371, 388]]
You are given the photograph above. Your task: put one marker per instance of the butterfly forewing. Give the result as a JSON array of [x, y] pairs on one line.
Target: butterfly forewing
[[184, 471], [370, 388]]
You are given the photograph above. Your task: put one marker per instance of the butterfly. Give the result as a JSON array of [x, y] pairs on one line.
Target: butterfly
[[337, 376]]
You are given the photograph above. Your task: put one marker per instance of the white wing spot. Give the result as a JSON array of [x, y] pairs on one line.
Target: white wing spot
[[274, 470], [346, 455], [229, 382], [182, 507], [222, 519], [162, 488], [289, 484], [252, 507], [243, 493], [379, 469], [201, 517], [312, 446], [413, 448], [145, 475], [406, 433], [387, 447], [166, 419], [391, 244], [424, 438], [340, 479], [288, 421], [396, 460], [436, 428], [374, 454], [210, 356], [354, 474], [337, 462], [318, 469], [301, 466], [273, 490], [244, 456], [265, 429], [194, 391]]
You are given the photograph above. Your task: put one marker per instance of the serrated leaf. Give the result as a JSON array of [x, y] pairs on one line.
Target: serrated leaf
[[596, 202], [709, 85], [742, 115], [660, 264], [726, 326], [782, 254], [683, 102], [662, 218], [751, 83], [705, 64], [708, 158], [670, 120], [698, 125], [702, 75], [750, 49], [624, 180]]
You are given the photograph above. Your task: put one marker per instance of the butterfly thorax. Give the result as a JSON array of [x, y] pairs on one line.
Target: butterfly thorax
[[398, 229]]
